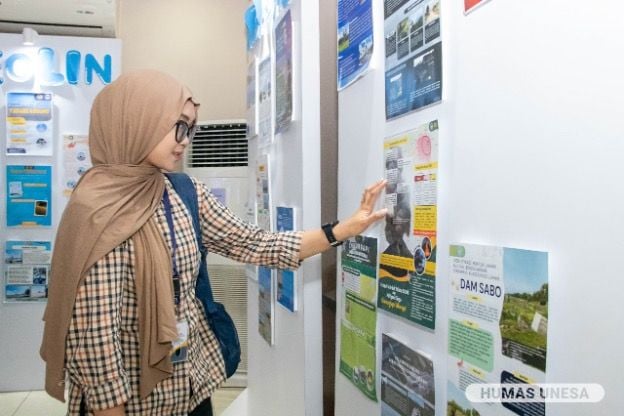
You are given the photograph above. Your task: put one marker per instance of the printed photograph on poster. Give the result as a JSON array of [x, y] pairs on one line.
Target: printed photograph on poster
[[29, 124], [266, 305], [457, 403], [76, 160], [265, 103], [407, 265], [413, 52], [252, 108], [359, 316], [407, 380], [283, 74], [498, 320], [27, 270], [29, 195], [264, 215], [355, 40]]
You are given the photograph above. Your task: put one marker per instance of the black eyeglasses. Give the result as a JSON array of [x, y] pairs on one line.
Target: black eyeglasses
[[183, 130]]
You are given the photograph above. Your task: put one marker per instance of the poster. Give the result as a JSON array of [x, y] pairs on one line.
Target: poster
[[29, 195], [263, 193], [498, 322], [470, 5], [359, 320], [286, 279], [265, 103], [413, 51], [407, 265], [27, 270], [252, 108], [283, 74], [407, 380], [266, 306], [29, 124], [355, 40], [76, 160]]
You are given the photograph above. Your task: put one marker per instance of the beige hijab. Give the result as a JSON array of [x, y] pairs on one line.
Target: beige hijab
[[114, 201]]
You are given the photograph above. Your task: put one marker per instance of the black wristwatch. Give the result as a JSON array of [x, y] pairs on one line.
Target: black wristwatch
[[328, 229]]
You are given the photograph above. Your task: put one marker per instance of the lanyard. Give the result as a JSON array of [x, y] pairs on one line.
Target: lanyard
[[174, 247]]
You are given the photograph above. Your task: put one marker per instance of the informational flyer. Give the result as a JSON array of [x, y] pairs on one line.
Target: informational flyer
[[413, 55], [252, 108], [283, 73], [407, 265], [263, 193], [407, 381], [76, 160], [355, 40], [29, 124], [359, 322], [498, 323], [265, 103], [27, 266], [286, 279], [266, 306], [29, 195]]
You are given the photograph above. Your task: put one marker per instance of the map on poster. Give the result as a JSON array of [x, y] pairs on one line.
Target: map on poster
[[407, 265], [29, 124], [407, 380], [413, 53], [27, 270], [498, 324], [359, 320]]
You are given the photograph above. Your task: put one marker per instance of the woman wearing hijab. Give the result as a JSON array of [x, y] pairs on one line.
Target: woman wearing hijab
[[111, 318]]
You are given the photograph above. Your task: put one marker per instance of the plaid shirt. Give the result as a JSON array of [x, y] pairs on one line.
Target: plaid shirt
[[102, 347]]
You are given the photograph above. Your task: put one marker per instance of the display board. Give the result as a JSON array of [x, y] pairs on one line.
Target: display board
[[46, 91], [529, 146], [293, 178]]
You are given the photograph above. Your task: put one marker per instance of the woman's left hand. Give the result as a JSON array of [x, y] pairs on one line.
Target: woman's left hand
[[364, 217]]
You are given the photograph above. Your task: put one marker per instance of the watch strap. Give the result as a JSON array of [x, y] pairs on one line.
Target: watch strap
[[328, 229]]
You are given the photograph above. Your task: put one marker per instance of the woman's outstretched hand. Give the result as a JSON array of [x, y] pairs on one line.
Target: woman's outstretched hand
[[365, 215], [315, 241]]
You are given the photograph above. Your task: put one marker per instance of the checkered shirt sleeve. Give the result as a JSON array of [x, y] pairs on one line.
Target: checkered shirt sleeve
[[226, 234]]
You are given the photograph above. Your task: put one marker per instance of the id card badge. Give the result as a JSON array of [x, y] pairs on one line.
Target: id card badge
[[179, 352]]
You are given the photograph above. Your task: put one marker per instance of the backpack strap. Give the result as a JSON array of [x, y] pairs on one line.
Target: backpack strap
[[185, 188]]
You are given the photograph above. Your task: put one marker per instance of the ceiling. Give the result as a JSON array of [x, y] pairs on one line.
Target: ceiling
[[59, 17]]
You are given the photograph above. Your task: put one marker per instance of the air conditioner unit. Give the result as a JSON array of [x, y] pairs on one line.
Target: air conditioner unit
[[93, 18], [218, 157]]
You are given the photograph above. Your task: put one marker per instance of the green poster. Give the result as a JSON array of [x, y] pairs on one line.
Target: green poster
[[359, 323]]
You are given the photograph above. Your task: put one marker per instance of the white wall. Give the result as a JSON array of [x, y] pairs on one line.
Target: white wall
[[199, 42], [530, 156], [21, 327]]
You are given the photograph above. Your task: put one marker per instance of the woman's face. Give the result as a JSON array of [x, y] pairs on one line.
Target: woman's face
[[168, 153]]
